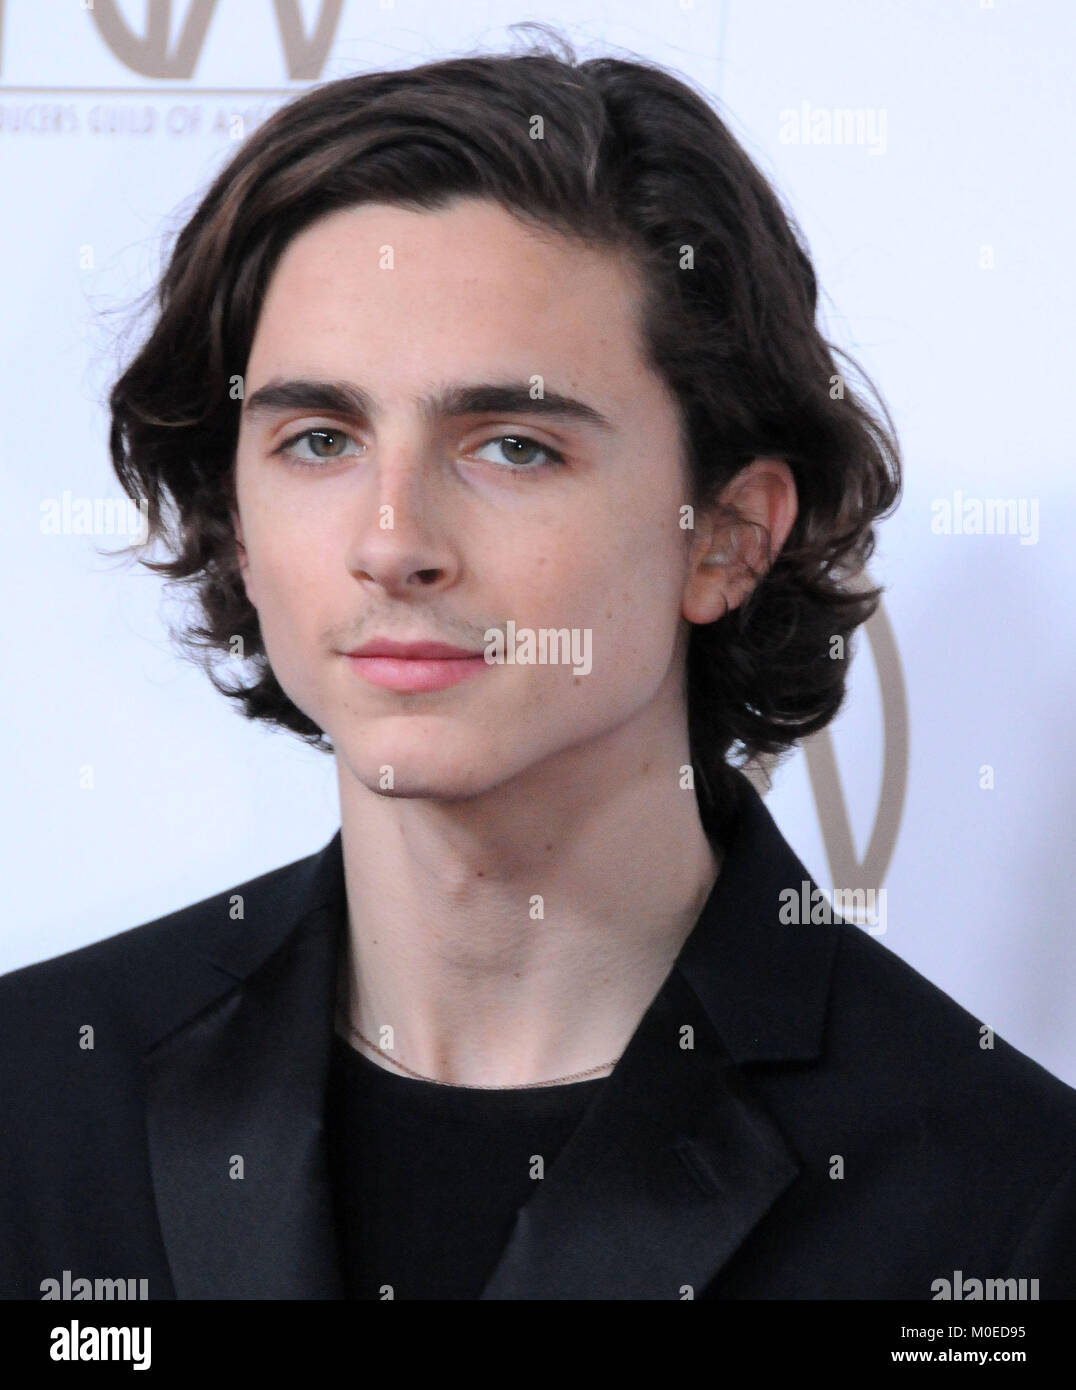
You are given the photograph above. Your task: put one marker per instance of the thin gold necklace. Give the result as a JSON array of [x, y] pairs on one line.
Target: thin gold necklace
[[518, 1086]]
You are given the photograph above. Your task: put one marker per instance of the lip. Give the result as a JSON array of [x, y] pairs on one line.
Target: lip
[[411, 651], [415, 666]]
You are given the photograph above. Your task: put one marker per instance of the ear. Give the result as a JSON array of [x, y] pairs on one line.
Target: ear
[[764, 494]]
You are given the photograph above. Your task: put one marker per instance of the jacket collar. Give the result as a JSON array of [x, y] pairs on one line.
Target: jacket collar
[[673, 1165]]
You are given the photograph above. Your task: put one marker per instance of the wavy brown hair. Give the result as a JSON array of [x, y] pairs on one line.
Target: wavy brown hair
[[630, 159]]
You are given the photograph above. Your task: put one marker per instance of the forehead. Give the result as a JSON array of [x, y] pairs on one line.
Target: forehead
[[466, 288]]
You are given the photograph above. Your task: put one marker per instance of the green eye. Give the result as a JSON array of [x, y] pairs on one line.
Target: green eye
[[518, 456]]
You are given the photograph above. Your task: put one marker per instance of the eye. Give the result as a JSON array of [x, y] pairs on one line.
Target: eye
[[517, 454], [517, 451], [321, 435]]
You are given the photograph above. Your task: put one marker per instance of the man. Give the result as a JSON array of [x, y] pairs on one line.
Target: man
[[494, 422]]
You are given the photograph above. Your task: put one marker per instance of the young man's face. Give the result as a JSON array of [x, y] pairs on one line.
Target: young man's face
[[416, 524]]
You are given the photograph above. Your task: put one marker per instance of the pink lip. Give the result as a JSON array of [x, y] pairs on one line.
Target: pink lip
[[437, 651], [415, 666]]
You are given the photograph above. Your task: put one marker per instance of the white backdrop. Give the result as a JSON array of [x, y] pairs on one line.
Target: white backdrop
[[940, 222]]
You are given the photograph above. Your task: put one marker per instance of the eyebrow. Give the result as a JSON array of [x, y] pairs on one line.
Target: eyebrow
[[345, 399]]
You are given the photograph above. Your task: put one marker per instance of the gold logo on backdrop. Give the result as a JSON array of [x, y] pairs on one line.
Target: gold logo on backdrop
[[152, 53], [846, 868]]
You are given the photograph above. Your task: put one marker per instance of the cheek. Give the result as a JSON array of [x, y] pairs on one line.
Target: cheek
[[649, 605], [284, 576], [623, 590], [631, 584]]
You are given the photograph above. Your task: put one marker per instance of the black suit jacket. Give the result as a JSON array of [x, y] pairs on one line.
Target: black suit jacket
[[708, 1171]]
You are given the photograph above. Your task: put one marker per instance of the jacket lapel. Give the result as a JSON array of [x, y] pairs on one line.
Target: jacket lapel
[[235, 1101], [676, 1162], [672, 1167]]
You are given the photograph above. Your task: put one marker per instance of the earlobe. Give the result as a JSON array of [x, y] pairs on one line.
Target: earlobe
[[708, 595], [707, 592]]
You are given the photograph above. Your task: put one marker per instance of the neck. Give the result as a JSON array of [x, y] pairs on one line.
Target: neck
[[519, 936]]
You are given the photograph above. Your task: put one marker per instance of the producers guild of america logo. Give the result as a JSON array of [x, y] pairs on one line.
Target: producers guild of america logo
[[847, 865], [172, 52]]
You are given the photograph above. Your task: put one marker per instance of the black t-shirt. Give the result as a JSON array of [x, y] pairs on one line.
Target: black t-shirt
[[428, 1178]]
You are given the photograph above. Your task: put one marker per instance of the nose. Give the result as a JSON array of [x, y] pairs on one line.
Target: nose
[[401, 538]]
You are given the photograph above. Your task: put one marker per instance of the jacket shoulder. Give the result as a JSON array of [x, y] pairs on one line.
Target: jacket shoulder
[[923, 1075], [148, 971]]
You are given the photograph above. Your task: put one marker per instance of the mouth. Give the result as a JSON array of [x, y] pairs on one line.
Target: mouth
[[409, 667]]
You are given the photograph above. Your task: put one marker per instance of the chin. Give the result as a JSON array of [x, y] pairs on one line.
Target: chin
[[422, 768], [428, 784]]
